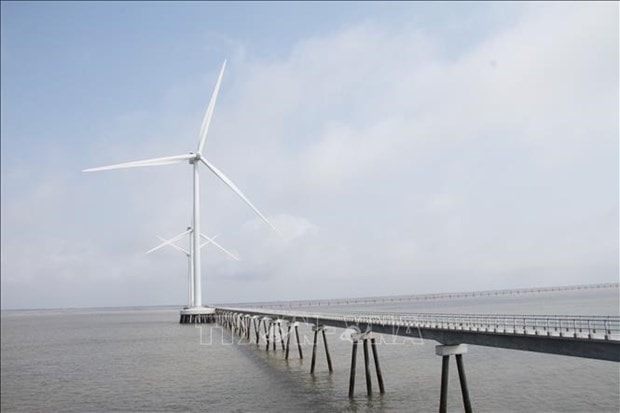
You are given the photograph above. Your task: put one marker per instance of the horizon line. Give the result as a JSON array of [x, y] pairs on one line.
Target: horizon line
[[350, 300]]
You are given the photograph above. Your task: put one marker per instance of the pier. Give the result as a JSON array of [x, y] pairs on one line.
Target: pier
[[593, 337]]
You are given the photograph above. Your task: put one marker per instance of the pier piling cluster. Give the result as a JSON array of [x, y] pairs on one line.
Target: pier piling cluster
[[294, 325], [320, 329], [592, 337], [365, 337], [242, 324], [268, 330], [445, 352]]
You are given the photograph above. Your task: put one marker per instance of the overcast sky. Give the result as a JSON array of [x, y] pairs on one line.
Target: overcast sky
[[400, 148]]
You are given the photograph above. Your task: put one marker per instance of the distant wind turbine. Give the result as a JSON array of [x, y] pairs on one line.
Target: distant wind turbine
[[194, 159], [190, 267]]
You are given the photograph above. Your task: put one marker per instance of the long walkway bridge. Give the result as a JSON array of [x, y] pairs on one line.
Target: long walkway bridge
[[594, 337]]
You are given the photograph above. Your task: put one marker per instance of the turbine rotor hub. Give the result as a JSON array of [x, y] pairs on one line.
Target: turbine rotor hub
[[195, 159]]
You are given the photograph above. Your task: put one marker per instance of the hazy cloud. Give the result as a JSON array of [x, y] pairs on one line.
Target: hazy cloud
[[389, 168]]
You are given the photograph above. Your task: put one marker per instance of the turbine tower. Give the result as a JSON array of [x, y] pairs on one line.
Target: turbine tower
[[195, 158]]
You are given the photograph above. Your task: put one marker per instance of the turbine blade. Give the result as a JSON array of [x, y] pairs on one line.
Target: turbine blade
[[175, 246], [158, 246], [204, 128], [179, 236], [210, 240], [236, 190], [170, 241], [167, 160]]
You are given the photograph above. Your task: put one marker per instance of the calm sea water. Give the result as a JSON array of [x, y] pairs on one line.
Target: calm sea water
[[142, 360]]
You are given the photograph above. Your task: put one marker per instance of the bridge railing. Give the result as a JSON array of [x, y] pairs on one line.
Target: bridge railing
[[605, 327], [588, 327]]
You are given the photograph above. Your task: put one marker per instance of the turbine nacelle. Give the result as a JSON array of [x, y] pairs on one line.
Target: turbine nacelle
[[194, 158]]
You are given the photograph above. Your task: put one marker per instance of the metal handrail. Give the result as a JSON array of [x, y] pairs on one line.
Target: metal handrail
[[580, 326]]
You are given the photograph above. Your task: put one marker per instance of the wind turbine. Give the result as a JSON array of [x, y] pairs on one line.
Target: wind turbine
[[190, 268], [194, 158]]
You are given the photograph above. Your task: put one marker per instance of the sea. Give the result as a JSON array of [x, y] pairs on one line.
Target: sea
[[143, 360]]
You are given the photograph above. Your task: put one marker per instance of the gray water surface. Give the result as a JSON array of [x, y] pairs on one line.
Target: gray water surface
[[142, 360]]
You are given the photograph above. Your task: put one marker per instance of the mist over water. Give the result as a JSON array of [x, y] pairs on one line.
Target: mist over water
[[143, 360]]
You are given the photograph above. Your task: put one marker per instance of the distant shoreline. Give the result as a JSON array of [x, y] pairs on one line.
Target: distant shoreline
[[422, 297], [334, 301]]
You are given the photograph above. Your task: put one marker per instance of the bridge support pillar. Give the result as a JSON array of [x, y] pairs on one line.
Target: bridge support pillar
[[365, 337], [272, 331], [445, 352], [267, 326], [353, 365], [256, 323], [253, 321], [317, 330], [248, 326], [295, 326], [241, 330], [277, 323]]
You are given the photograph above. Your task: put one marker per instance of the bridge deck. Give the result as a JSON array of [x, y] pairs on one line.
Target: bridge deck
[[596, 337]]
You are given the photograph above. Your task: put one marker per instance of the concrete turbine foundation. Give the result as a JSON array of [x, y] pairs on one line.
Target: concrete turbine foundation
[[197, 315]]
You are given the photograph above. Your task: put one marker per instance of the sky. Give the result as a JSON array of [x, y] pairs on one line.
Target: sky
[[399, 148]]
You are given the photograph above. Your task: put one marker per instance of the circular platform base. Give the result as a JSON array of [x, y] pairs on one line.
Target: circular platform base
[[197, 315]]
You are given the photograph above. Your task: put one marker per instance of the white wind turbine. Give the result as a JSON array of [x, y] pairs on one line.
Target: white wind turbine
[[188, 254], [194, 159]]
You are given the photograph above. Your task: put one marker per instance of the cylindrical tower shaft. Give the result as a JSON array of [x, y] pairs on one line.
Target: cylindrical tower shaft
[[196, 239]]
